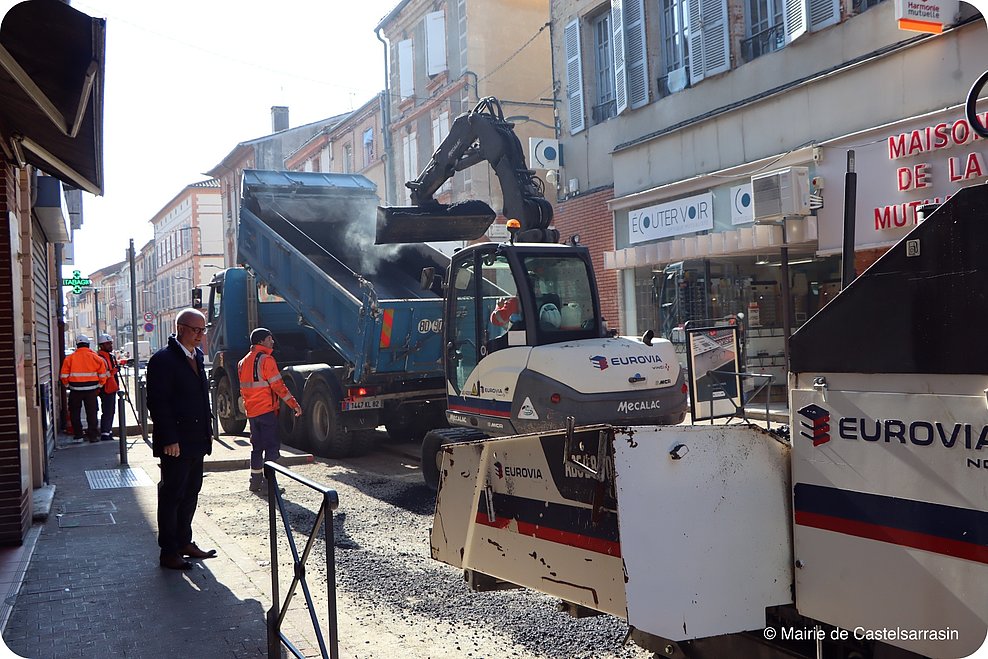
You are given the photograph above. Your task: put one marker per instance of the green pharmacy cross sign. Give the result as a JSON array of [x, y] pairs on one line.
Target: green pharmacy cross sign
[[76, 281]]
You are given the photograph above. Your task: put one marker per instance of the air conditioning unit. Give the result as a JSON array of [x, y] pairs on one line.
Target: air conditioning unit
[[780, 194]]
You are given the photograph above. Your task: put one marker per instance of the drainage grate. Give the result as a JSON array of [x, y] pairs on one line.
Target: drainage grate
[[105, 479], [83, 519]]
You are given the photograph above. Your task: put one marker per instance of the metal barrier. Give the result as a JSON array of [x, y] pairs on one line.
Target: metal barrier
[[276, 615], [722, 386]]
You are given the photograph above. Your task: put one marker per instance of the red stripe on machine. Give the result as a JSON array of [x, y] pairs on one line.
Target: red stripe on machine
[[558, 536], [912, 539], [386, 322]]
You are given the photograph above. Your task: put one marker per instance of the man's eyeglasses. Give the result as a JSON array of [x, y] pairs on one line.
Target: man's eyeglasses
[[198, 330]]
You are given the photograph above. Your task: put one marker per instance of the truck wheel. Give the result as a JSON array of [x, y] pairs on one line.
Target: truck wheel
[[292, 429], [432, 454], [326, 432], [226, 406]]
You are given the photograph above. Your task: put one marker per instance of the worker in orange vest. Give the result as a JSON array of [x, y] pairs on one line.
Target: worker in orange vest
[[261, 387], [108, 394], [83, 373]]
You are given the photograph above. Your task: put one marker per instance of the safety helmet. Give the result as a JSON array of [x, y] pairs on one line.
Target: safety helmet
[[105, 338], [259, 335], [81, 339], [550, 318]]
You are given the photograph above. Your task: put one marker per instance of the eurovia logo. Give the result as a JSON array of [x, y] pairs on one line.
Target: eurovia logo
[[499, 470], [817, 422], [599, 362]]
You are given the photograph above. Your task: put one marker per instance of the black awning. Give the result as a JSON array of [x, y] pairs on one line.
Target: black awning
[[51, 91]]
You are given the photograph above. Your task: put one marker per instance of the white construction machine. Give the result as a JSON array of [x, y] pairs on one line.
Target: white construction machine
[[864, 534]]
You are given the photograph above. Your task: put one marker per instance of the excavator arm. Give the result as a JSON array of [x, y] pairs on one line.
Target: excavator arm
[[479, 135]]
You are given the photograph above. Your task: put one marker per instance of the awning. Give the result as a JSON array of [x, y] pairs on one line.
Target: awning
[[51, 91]]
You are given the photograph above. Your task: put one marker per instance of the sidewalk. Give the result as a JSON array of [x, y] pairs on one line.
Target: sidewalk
[[86, 582]]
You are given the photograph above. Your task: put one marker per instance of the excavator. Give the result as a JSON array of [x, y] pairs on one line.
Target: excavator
[[526, 346]]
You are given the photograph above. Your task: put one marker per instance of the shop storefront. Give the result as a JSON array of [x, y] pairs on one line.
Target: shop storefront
[[693, 252]]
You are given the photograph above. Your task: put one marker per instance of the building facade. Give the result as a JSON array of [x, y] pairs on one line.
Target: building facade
[[717, 107], [443, 57], [188, 248]]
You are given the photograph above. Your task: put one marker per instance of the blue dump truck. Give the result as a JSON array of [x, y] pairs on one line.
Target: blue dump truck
[[358, 338]]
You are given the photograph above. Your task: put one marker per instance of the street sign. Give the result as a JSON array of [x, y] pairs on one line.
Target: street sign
[[76, 281], [148, 317], [148, 328]]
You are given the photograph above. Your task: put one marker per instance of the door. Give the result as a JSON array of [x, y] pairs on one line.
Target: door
[[462, 339]]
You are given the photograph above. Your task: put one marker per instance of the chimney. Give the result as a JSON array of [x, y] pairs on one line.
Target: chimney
[[279, 118]]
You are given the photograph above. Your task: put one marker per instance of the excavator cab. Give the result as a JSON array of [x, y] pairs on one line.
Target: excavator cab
[[516, 296]]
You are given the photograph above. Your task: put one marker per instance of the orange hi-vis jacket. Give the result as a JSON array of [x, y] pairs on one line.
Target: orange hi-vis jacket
[[260, 383], [83, 370], [112, 385]]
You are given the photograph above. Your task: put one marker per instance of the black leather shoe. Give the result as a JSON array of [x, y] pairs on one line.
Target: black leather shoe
[[174, 562], [192, 551]]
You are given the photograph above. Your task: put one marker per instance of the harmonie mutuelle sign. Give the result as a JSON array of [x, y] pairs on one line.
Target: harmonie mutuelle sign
[[925, 15]]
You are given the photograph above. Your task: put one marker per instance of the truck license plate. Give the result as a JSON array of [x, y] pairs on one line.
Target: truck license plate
[[354, 405]]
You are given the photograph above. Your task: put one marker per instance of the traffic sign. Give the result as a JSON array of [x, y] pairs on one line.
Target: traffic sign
[[148, 328], [148, 317]]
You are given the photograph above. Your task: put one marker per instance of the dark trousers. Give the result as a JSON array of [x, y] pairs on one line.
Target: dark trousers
[[107, 406], [264, 444], [178, 496], [77, 399]]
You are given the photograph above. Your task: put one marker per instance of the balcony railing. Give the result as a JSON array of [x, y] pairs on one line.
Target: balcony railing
[[603, 112], [766, 41]]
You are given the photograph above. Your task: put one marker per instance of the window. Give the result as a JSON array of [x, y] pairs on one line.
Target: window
[[766, 30], [440, 129], [410, 160], [604, 102], [863, 5], [563, 295], [368, 140], [674, 51], [347, 158]]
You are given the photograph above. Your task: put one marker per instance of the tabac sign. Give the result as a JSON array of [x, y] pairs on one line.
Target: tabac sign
[[76, 281]]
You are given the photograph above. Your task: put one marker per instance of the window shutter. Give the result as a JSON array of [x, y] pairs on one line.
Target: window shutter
[[636, 52], [823, 13], [406, 78], [435, 41], [574, 76], [794, 19], [617, 51], [710, 51], [695, 41]]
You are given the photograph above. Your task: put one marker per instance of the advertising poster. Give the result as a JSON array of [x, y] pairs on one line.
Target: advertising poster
[[718, 394]]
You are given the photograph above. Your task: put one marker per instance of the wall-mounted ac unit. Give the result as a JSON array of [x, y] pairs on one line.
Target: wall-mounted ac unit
[[782, 193]]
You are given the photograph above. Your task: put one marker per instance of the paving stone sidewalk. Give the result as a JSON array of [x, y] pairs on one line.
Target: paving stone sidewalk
[[93, 587]]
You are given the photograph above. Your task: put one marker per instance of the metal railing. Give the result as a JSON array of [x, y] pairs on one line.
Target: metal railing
[[276, 615], [768, 40], [721, 385]]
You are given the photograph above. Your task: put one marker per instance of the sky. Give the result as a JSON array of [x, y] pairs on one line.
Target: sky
[[187, 81]]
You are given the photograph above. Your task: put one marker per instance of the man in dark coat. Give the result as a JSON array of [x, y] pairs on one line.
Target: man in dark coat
[[178, 400]]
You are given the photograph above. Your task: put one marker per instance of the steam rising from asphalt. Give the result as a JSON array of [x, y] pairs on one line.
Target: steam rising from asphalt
[[359, 236]]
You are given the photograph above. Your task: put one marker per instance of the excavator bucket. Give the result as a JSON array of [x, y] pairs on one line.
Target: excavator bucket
[[466, 220]]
